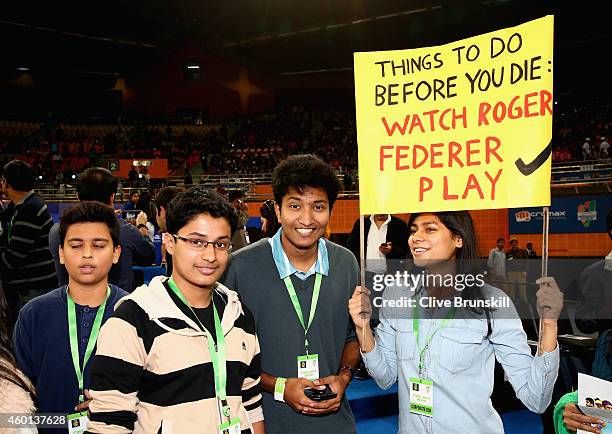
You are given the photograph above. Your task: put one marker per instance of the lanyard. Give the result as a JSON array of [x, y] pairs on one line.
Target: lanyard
[[217, 352], [296, 303], [415, 326], [91, 343]]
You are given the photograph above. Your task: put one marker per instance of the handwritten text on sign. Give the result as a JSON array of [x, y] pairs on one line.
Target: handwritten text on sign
[[460, 126]]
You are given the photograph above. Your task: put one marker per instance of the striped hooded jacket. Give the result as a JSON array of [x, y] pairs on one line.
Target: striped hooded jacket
[[152, 372]]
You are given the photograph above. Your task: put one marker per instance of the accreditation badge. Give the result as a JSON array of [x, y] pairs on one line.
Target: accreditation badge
[[77, 422], [421, 396], [308, 366], [230, 427]]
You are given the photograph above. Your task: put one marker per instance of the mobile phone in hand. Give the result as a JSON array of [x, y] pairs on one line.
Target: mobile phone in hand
[[320, 395]]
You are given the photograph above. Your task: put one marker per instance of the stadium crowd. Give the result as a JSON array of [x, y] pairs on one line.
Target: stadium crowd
[[245, 144]]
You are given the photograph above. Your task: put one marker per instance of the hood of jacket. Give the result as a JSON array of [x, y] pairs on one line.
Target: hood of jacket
[[157, 303]]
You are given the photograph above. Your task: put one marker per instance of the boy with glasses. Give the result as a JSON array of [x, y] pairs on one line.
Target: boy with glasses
[[181, 354]]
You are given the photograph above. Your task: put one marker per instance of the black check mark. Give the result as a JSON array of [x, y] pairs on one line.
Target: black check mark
[[528, 169]]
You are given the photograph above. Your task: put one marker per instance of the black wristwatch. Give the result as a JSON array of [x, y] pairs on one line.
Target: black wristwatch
[[343, 367]]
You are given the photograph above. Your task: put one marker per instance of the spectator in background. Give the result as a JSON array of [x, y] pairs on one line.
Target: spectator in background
[[163, 198], [26, 266], [349, 181], [594, 309], [240, 237], [120, 188], [386, 246], [533, 270], [146, 217], [496, 263], [132, 176], [595, 152], [531, 254], [59, 178], [187, 179], [99, 184], [516, 268], [586, 149], [386, 243], [144, 176], [604, 148], [269, 221], [593, 314], [132, 202]]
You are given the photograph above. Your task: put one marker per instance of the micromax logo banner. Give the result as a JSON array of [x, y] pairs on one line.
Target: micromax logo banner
[[527, 216], [522, 216]]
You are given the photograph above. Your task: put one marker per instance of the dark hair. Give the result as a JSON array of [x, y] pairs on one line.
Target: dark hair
[[235, 194], [133, 192], [299, 171], [145, 204], [267, 211], [90, 212], [165, 195], [500, 239], [609, 223], [195, 201], [98, 184], [460, 224], [19, 175]]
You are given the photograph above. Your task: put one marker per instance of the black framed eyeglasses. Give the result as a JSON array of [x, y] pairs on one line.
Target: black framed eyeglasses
[[201, 245]]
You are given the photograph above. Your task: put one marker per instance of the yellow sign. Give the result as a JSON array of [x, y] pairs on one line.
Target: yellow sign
[[466, 125]]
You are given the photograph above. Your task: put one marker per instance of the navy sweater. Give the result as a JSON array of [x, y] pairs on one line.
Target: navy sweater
[[42, 347]]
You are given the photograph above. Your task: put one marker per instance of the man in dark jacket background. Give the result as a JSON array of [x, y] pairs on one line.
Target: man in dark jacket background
[[386, 246], [26, 265], [395, 234]]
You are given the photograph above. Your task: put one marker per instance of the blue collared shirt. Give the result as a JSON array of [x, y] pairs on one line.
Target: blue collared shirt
[[460, 360], [285, 267]]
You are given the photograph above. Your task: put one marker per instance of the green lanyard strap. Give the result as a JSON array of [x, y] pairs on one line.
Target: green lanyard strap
[[415, 326], [296, 303], [217, 352], [74, 341]]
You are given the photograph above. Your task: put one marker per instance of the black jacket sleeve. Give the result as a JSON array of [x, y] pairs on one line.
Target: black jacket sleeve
[[398, 235]]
